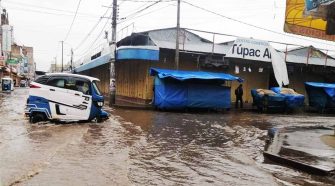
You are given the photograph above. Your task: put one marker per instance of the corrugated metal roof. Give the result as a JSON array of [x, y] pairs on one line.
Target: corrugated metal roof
[[310, 60], [166, 38], [187, 41]]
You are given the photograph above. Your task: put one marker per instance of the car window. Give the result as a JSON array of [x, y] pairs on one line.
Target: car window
[[96, 88], [57, 82], [42, 80], [79, 85], [6, 81], [71, 84], [85, 88]]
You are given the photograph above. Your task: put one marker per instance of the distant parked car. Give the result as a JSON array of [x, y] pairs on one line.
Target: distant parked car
[[7, 84], [65, 97], [23, 83]]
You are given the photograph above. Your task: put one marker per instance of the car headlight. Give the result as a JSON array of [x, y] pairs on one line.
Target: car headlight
[[100, 103]]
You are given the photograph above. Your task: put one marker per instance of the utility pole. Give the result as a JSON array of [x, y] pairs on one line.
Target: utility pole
[[177, 36], [112, 89], [71, 60], [62, 54], [114, 18]]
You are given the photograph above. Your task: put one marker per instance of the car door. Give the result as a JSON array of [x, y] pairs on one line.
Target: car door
[[81, 100], [58, 97]]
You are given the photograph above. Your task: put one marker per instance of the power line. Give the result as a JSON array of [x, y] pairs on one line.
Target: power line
[[47, 8], [74, 18], [129, 19], [251, 25], [90, 32], [141, 10], [41, 12], [102, 30], [145, 1]]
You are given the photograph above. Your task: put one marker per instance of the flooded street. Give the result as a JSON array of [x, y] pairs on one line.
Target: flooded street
[[138, 147]]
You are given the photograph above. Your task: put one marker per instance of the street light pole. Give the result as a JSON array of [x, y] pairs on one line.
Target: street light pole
[[177, 36], [55, 70], [62, 54]]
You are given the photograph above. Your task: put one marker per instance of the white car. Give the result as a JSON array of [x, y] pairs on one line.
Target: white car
[[65, 97]]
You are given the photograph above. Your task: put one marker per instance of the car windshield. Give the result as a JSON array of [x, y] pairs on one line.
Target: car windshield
[[6, 81], [96, 88]]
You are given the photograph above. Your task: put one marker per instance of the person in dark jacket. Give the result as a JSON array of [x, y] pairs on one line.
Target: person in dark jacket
[[239, 96]]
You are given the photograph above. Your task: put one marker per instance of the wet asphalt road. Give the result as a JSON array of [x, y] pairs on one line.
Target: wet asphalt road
[[145, 148]]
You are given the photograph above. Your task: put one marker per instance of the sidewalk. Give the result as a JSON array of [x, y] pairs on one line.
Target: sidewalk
[[305, 148]]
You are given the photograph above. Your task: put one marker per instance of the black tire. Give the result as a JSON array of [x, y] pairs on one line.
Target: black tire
[[37, 117], [99, 119], [259, 108]]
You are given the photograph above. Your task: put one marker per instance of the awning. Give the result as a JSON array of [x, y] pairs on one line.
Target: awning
[[182, 75], [12, 61], [320, 85], [150, 53], [94, 63], [328, 88]]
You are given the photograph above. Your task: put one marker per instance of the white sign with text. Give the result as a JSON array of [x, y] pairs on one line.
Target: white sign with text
[[258, 50], [250, 49]]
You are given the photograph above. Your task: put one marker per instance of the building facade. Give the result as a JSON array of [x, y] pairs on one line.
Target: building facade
[[99, 64], [16, 61], [134, 85]]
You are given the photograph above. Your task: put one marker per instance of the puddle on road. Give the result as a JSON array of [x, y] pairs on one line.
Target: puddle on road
[[208, 148]]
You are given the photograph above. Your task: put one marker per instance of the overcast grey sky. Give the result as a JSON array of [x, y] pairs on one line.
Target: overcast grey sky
[[42, 24]]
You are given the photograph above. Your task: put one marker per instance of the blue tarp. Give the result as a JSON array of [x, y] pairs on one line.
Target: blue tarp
[[321, 95], [182, 75], [187, 89], [292, 101], [268, 101], [329, 88]]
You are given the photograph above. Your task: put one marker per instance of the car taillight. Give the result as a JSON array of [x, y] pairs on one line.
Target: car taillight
[[34, 86]]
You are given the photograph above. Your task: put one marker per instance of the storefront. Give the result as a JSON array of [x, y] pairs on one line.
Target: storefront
[[134, 85]]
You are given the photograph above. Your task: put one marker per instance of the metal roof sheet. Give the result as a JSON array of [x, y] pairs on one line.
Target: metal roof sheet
[[187, 41], [166, 39]]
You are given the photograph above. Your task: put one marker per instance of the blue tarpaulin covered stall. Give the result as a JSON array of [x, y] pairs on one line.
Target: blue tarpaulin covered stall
[[321, 95], [268, 101], [177, 89], [293, 100]]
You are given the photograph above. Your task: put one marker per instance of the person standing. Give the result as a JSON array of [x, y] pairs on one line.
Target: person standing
[[239, 96]]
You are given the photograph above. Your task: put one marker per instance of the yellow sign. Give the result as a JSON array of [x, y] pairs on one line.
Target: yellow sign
[[316, 23]]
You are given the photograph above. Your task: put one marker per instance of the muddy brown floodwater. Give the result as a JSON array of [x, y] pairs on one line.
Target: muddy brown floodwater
[[137, 147]]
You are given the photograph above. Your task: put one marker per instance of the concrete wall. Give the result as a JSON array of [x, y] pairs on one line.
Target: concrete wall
[[252, 80]]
